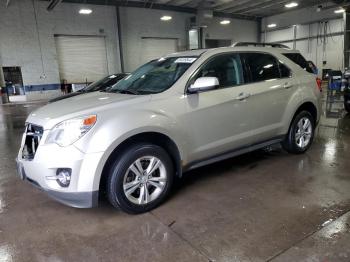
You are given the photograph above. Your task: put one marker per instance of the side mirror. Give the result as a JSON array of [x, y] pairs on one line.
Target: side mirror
[[204, 84]]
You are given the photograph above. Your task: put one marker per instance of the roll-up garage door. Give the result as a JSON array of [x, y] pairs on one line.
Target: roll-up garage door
[[81, 58], [153, 48]]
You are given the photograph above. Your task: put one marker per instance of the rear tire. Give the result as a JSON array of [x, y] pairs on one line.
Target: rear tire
[[140, 179], [301, 133]]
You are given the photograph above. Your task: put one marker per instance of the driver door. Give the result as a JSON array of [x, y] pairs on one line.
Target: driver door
[[220, 119]]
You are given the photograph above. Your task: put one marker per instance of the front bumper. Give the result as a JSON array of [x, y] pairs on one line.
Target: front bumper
[[82, 191], [73, 199]]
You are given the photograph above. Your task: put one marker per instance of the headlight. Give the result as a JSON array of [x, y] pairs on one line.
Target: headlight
[[69, 131]]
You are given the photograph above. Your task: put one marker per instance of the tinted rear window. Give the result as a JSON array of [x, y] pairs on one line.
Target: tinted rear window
[[262, 66], [299, 60]]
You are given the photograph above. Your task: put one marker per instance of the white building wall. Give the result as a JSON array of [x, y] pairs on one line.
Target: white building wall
[[309, 40], [19, 41], [237, 31], [300, 16], [137, 23]]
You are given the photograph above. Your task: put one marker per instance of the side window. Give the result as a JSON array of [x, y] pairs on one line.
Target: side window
[[227, 68], [299, 60], [285, 71], [262, 66]]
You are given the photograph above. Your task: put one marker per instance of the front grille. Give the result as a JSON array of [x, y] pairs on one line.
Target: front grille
[[33, 135]]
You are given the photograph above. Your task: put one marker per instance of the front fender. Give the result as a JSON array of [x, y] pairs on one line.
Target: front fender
[[112, 131]]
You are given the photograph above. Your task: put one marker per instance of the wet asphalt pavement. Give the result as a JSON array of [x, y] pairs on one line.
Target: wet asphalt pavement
[[263, 206]]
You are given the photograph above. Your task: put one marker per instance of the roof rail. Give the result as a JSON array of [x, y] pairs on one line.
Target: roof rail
[[275, 45]]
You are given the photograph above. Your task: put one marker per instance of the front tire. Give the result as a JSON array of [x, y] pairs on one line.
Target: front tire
[[140, 179], [301, 133]]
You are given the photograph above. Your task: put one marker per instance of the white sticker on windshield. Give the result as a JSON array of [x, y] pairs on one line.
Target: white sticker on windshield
[[187, 60]]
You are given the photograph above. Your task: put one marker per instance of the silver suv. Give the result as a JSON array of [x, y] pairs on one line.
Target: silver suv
[[171, 115]]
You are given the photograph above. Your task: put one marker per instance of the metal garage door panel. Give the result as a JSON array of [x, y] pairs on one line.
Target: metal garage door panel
[[81, 59], [153, 48]]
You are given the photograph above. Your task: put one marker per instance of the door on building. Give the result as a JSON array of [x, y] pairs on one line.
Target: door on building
[[13, 80], [81, 59], [214, 43]]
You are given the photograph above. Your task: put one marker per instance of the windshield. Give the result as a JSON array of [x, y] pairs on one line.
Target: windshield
[[154, 77], [103, 83]]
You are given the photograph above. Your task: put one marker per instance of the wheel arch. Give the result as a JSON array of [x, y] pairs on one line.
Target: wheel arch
[[304, 106], [289, 143], [307, 106], [156, 138]]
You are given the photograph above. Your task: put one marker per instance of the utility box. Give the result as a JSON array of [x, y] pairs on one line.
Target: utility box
[[2, 78], [335, 80], [4, 98], [4, 95]]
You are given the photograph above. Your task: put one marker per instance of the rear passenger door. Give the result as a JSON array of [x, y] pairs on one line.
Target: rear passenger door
[[271, 87]]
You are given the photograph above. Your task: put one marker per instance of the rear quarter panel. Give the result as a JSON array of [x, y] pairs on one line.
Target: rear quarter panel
[[307, 92]]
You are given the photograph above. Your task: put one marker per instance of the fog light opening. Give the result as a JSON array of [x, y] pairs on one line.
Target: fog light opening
[[63, 176]]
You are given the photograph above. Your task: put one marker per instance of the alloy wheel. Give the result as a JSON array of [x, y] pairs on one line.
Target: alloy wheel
[[145, 180], [303, 132]]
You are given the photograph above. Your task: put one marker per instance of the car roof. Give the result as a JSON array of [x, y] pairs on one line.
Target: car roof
[[200, 52], [196, 52]]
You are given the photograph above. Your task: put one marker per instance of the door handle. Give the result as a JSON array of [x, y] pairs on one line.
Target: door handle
[[287, 85], [242, 96]]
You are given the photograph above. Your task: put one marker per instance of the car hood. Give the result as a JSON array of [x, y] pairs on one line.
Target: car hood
[[64, 97], [89, 103]]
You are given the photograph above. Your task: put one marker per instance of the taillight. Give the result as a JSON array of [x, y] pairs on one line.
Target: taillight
[[319, 83]]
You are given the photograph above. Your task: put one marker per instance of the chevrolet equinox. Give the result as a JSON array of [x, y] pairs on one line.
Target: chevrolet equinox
[[171, 115]]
